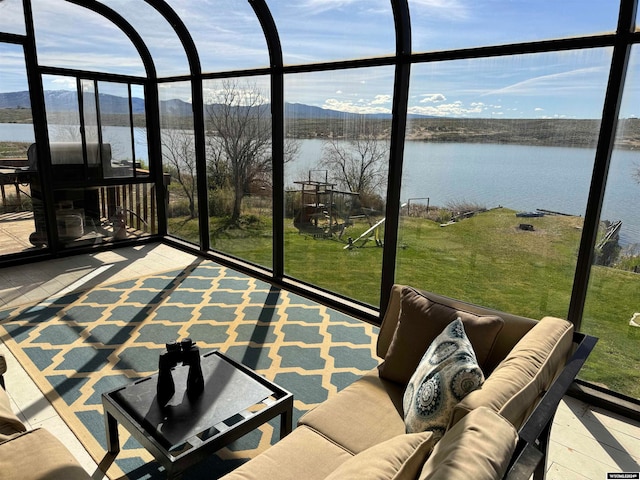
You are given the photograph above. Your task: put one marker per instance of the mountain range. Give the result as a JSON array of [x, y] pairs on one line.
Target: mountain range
[[64, 100]]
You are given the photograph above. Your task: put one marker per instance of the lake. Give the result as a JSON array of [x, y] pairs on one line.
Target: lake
[[519, 177], [17, 132]]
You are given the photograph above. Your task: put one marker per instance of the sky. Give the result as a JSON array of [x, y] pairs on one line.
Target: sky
[[229, 37]]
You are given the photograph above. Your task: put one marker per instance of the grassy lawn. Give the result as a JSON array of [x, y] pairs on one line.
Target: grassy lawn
[[13, 149], [353, 272], [485, 259], [488, 260]]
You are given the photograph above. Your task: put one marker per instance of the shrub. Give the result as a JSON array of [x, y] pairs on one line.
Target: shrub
[[179, 208], [221, 202]]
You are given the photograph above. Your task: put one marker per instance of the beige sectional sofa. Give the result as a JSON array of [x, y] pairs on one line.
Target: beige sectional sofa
[[31, 454], [360, 433]]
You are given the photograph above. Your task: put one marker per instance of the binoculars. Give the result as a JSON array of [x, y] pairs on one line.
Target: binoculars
[[187, 353]]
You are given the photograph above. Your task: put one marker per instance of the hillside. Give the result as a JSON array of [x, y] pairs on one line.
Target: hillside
[[306, 121]]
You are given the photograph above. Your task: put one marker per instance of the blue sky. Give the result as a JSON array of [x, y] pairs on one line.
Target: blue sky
[[228, 37]]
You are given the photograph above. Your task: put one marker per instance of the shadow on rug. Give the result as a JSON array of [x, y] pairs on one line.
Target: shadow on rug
[[77, 346]]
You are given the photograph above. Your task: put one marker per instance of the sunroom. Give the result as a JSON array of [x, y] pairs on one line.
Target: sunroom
[[484, 151]]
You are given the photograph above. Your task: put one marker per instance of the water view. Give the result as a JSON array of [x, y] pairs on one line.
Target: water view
[[520, 177]]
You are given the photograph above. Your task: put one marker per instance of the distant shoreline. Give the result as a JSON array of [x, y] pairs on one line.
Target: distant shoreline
[[536, 132]]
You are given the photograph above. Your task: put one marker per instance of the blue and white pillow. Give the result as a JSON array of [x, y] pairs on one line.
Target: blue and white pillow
[[447, 372]]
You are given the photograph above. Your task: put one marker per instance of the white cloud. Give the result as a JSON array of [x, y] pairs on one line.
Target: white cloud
[[178, 91], [239, 95], [381, 99], [361, 106], [453, 109], [433, 98], [64, 83], [541, 85]]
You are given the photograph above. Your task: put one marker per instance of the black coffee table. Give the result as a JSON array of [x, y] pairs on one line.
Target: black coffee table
[[235, 401]]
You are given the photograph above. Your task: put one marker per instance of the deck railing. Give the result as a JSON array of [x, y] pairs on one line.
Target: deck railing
[[136, 202]]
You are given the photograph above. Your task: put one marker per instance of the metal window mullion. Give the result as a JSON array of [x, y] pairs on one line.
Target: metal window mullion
[[201, 160], [90, 75], [132, 132], [276, 62], [99, 128], [152, 119], [277, 172], [82, 126], [606, 141], [197, 102], [396, 153], [38, 114]]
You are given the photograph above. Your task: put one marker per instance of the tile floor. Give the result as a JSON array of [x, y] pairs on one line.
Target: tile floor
[[586, 442]]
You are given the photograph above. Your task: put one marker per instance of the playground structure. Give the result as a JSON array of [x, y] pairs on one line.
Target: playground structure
[[373, 231], [323, 211]]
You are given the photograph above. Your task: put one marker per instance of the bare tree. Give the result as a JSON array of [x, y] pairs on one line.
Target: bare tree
[[238, 123], [239, 140], [358, 164], [179, 156]]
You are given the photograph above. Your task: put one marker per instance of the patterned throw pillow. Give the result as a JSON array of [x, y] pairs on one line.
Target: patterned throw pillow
[[447, 372]]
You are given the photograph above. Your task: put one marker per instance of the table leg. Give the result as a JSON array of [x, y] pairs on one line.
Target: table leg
[[286, 423], [113, 440], [174, 476]]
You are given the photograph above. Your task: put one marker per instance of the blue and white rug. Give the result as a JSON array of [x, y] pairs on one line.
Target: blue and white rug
[[77, 346]]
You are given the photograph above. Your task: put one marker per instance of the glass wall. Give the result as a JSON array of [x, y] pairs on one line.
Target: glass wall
[[239, 167], [324, 31], [12, 17], [612, 309], [449, 25], [497, 169], [91, 134], [22, 225], [335, 188], [71, 36], [505, 105], [228, 36], [117, 129], [159, 36], [179, 160]]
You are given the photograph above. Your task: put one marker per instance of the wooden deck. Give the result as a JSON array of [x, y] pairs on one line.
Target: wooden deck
[[15, 229]]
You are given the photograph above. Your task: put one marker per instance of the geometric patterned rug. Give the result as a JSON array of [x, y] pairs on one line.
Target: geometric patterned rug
[[79, 345]]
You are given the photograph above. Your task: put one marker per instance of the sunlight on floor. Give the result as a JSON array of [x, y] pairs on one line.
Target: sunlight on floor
[[586, 442]]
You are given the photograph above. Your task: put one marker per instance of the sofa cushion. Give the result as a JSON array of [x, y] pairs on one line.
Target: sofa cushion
[[480, 447], [36, 455], [516, 385], [303, 454], [399, 458], [447, 372], [10, 424], [367, 412], [420, 321]]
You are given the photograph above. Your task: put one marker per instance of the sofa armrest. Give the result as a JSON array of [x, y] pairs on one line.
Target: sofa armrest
[[38, 455], [3, 369], [531, 450]]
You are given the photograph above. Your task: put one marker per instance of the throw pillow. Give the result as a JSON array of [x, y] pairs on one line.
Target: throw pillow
[[516, 385], [421, 320], [398, 458], [447, 372]]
